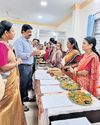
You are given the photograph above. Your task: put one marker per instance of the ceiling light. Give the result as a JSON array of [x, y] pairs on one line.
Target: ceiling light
[[96, 1], [40, 17], [54, 33], [43, 3]]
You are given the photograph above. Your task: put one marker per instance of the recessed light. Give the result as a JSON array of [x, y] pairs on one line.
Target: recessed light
[[54, 33], [96, 1], [40, 17], [43, 3]]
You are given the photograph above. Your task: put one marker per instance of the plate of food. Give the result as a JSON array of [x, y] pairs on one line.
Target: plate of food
[[56, 74], [80, 97], [53, 69], [69, 85], [63, 78]]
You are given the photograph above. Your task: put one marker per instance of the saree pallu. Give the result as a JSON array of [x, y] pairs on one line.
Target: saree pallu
[[70, 57], [89, 82], [69, 60], [11, 109]]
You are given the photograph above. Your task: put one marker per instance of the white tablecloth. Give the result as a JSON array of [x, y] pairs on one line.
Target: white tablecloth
[[43, 75], [55, 100], [74, 108], [76, 121], [51, 89], [57, 104], [49, 82]]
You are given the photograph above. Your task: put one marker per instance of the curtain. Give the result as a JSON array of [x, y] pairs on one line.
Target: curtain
[[90, 25]]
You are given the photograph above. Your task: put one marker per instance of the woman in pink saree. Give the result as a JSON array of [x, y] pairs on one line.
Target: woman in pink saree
[[87, 72], [57, 56]]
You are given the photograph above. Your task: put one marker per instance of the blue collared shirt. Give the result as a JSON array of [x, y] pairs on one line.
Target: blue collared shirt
[[23, 49]]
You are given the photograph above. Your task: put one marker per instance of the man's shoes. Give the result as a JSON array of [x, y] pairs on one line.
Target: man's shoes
[[25, 108], [29, 99]]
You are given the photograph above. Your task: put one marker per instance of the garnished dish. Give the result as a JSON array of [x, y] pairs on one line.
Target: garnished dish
[[80, 97], [69, 85], [63, 78], [55, 72], [53, 69]]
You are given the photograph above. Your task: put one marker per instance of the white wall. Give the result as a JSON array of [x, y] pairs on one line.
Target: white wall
[[76, 25], [67, 27], [92, 8], [35, 31]]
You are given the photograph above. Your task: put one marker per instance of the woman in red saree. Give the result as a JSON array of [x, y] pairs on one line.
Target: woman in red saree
[[87, 72], [11, 109]]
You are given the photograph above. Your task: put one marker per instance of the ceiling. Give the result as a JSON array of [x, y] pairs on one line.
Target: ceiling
[[29, 10]]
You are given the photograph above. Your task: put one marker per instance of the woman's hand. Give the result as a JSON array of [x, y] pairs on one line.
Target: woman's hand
[[66, 67], [71, 70], [75, 71]]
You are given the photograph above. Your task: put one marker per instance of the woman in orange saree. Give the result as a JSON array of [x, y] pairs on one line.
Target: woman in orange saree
[[11, 110], [87, 72], [72, 56]]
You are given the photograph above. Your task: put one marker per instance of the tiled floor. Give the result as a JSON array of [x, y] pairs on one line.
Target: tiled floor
[[31, 115]]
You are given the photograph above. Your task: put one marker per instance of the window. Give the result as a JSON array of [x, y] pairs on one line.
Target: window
[[97, 34]]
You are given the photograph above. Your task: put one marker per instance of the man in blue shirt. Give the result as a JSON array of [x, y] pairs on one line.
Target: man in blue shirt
[[24, 50]]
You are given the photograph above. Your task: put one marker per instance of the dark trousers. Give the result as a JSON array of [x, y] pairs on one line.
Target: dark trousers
[[25, 79]]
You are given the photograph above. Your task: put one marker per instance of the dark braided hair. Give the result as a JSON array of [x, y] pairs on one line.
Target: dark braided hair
[[4, 26], [92, 40], [74, 42]]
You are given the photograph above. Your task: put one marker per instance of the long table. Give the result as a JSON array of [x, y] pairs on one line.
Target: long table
[[54, 104]]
